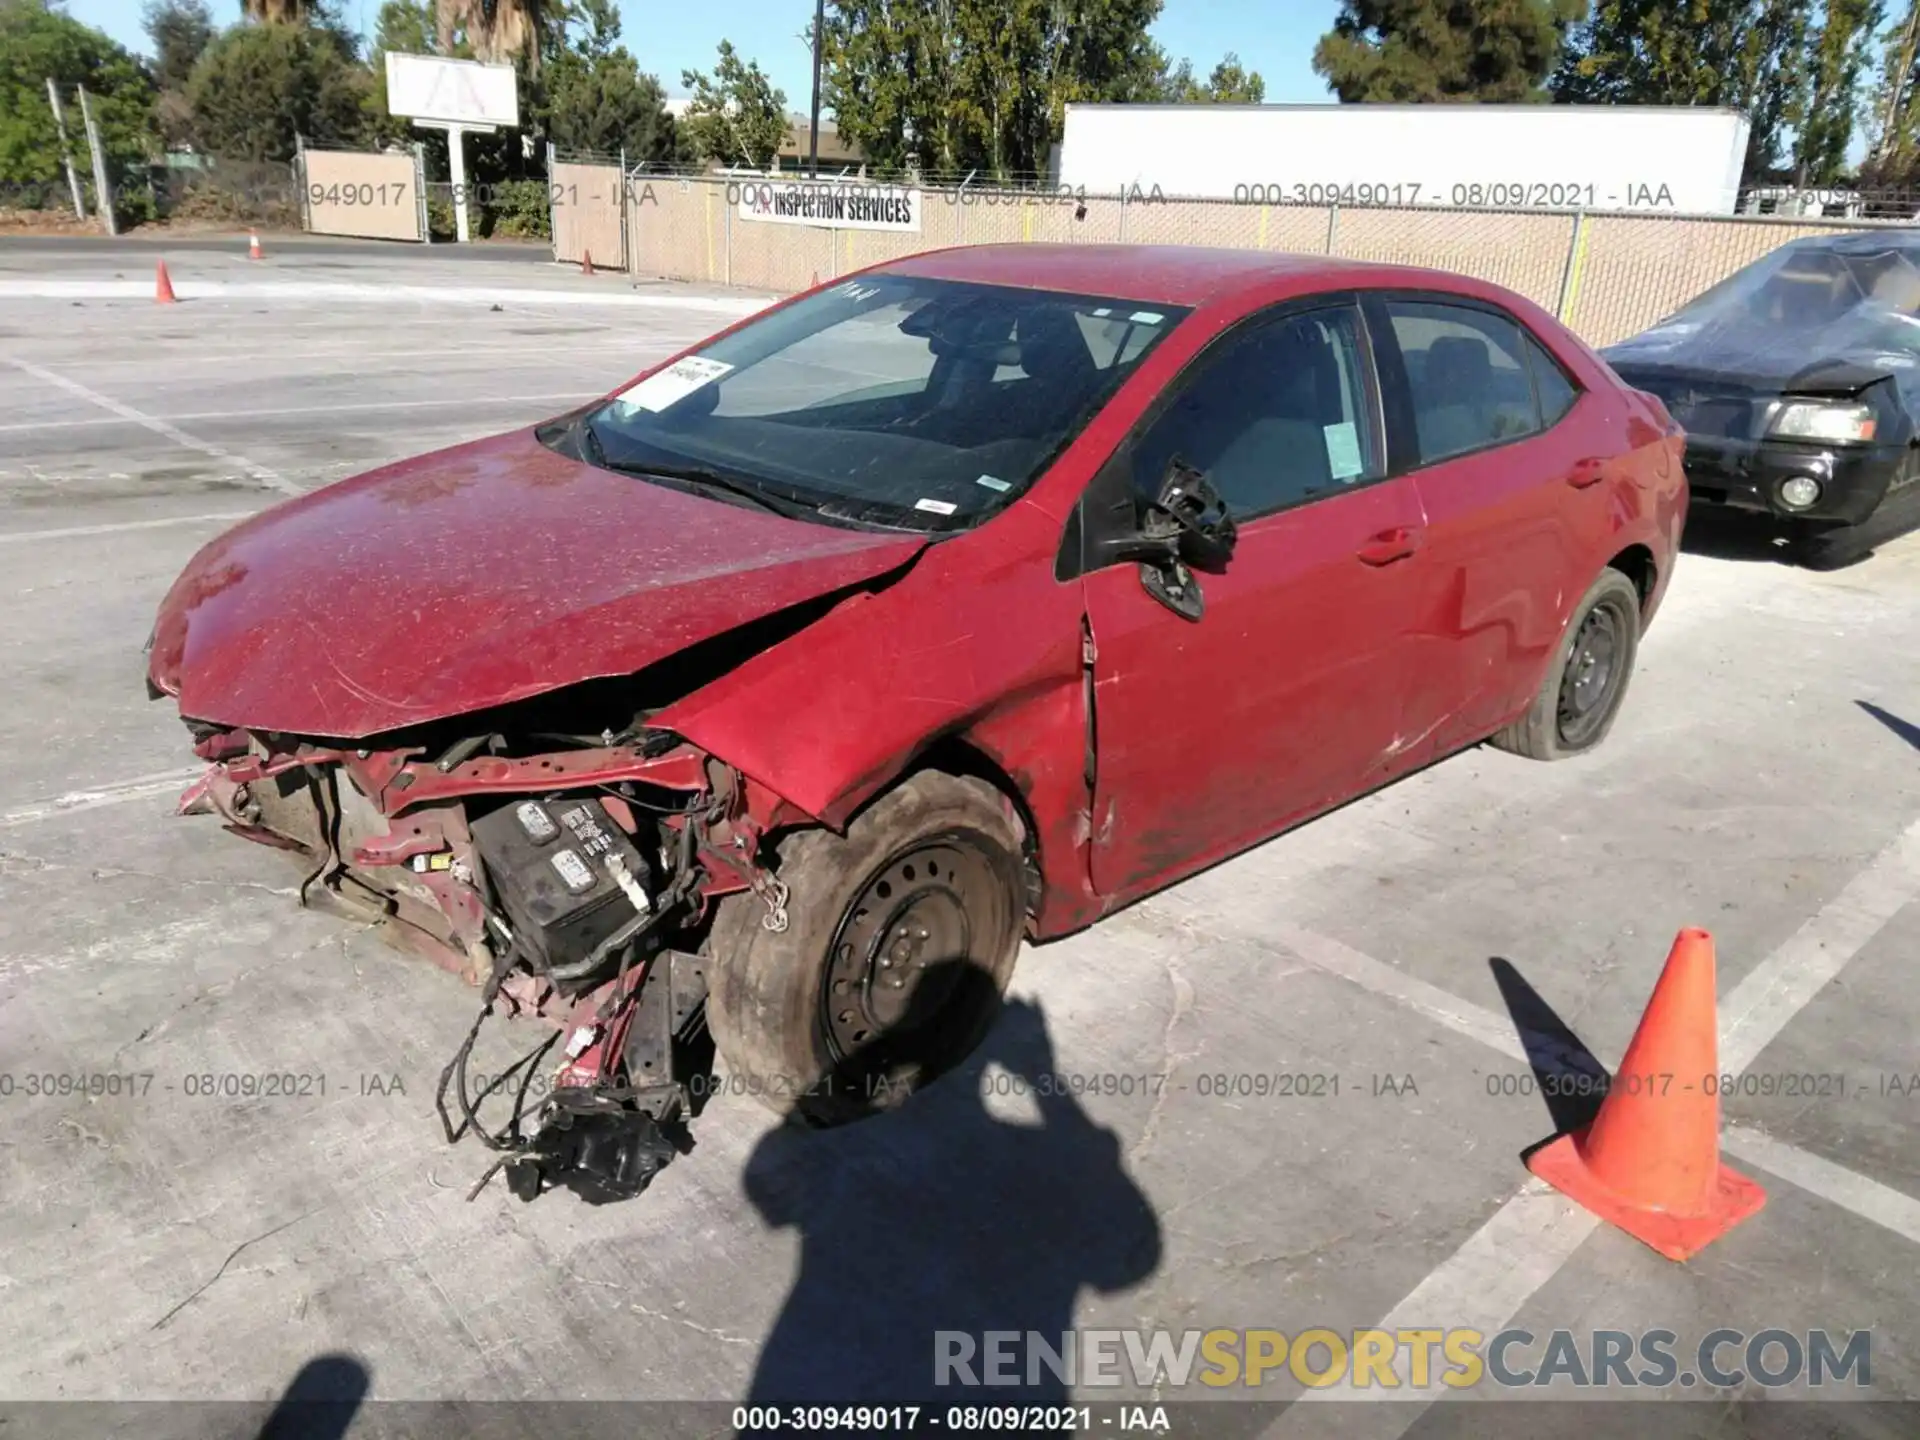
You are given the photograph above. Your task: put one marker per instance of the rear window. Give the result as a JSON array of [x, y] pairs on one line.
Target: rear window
[[1467, 372]]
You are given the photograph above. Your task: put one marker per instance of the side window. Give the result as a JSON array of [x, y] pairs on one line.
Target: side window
[[1276, 416], [1550, 384], [1467, 371]]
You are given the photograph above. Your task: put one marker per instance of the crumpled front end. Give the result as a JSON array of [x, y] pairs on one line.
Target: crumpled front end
[[574, 886]]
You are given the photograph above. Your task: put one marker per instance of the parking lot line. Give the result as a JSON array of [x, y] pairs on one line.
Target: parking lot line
[[1484, 1283], [1833, 1183], [442, 401], [269, 478], [71, 532], [336, 291], [140, 787], [1780, 986]]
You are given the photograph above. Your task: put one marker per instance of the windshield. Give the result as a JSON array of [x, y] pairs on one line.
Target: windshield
[[889, 400]]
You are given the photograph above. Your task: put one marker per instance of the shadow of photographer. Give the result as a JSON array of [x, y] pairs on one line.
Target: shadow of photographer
[[945, 1216]]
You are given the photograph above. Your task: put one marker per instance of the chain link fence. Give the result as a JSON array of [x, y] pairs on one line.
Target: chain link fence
[[188, 189], [1607, 274]]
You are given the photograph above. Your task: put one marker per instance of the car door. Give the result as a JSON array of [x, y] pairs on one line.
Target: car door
[[1282, 698], [1507, 454]]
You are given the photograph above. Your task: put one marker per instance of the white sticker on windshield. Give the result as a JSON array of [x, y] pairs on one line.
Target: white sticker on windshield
[[994, 482], [673, 384], [1102, 313], [1343, 450], [935, 507], [1146, 317]]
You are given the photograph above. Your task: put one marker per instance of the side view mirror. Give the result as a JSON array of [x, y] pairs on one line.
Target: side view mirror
[[1185, 527]]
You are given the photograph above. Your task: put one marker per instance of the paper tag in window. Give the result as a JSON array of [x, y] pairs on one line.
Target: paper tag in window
[[1343, 450], [675, 383], [936, 507]]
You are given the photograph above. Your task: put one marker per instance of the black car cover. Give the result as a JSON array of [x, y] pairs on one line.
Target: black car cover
[[1824, 315]]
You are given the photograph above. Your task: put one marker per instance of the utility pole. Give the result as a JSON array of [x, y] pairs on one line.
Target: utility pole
[[66, 153], [819, 44]]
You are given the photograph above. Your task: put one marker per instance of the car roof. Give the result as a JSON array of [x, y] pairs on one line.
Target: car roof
[[1186, 275]]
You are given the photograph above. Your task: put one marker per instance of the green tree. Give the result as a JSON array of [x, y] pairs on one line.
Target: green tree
[[404, 27], [1840, 49], [1751, 55], [962, 85], [257, 86], [1893, 117], [737, 115], [1427, 50], [1233, 84], [590, 95], [38, 41], [179, 30]]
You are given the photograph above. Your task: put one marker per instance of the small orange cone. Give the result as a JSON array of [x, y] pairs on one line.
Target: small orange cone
[[1650, 1162], [162, 285], [253, 245], [586, 262]]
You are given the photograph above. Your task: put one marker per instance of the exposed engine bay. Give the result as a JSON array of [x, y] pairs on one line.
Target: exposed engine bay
[[573, 887]]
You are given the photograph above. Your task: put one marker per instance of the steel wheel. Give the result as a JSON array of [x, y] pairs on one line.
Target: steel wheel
[[904, 934], [894, 962], [1586, 678], [1592, 675]]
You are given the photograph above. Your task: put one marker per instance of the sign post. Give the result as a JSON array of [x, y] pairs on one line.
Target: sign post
[[461, 97]]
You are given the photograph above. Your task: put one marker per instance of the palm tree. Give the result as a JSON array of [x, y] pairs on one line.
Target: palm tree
[[496, 31], [275, 12]]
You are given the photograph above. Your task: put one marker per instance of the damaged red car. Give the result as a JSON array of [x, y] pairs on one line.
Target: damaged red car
[[771, 701]]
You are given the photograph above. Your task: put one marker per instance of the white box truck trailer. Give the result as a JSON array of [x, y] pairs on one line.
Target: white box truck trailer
[[1678, 159]]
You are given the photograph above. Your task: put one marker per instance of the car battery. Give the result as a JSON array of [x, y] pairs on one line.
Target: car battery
[[566, 876]]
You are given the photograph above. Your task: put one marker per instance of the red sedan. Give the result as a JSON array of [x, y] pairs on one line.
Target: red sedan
[[777, 696]]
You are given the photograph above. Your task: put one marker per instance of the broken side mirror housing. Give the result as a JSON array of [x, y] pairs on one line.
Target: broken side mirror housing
[[1185, 527]]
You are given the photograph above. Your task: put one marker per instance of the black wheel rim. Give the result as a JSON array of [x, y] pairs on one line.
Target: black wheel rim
[[903, 953], [1591, 680]]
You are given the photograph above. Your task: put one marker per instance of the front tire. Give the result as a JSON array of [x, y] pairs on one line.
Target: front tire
[[1587, 679], [901, 940]]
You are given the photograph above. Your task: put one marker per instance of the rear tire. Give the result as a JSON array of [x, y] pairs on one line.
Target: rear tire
[[1587, 679], [901, 940]]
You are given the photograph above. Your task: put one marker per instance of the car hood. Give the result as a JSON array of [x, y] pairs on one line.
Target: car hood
[[474, 577], [1752, 358]]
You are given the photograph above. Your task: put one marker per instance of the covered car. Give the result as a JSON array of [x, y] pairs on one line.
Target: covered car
[[772, 700], [1797, 381]]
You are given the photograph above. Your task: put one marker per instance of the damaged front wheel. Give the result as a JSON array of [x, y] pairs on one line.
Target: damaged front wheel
[[902, 939]]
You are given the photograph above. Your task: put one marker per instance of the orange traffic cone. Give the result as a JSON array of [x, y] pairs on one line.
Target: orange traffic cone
[[253, 245], [586, 262], [162, 285], [1650, 1162]]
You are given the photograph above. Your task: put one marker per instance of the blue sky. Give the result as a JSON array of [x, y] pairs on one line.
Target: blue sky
[[1275, 37]]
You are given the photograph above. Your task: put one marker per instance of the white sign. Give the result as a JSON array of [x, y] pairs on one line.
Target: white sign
[[673, 384], [836, 203], [452, 92]]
